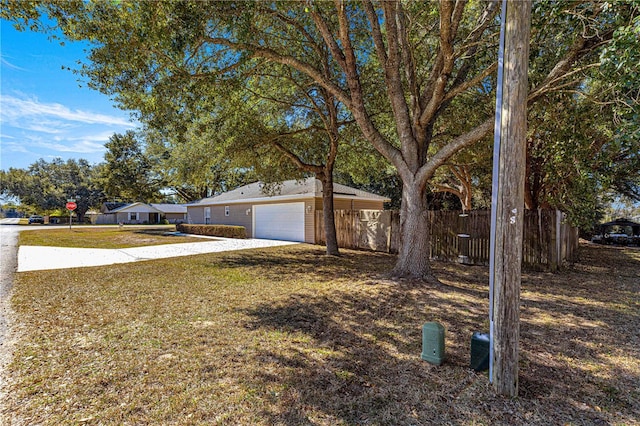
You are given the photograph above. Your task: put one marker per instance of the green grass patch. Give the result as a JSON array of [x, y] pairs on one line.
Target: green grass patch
[[289, 336], [106, 238]]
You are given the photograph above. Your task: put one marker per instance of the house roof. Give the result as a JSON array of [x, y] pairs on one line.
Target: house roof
[[111, 206], [152, 208], [621, 222], [288, 190], [136, 207], [170, 208]]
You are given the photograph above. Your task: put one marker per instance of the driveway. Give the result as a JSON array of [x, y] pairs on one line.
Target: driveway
[[34, 258]]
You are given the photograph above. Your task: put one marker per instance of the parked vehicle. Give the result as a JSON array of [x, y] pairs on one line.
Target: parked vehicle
[[36, 219], [620, 232]]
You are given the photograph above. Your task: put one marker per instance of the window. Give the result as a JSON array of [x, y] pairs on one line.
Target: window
[[133, 216], [207, 215], [226, 210]]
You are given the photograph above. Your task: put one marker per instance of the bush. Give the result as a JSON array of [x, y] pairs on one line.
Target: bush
[[226, 231]]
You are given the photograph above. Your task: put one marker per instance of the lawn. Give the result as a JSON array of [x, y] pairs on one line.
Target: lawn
[[104, 238], [289, 336]]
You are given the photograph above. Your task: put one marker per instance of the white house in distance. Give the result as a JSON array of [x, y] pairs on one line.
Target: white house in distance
[[289, 215], [140, 213]]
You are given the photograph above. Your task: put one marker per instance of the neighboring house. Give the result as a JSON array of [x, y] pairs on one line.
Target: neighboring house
[[140, 213], [289, 214], [174, 213]]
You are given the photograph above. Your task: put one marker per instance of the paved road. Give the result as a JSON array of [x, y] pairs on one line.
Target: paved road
[[8, 243]]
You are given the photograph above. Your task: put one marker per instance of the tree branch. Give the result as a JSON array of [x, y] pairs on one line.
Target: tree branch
[[271, 55], [580, 48], [462, 141]]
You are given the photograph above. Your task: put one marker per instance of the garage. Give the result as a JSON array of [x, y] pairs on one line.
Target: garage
[[279, 221]]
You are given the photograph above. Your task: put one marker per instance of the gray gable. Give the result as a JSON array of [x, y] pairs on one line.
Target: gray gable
[[291, 189]]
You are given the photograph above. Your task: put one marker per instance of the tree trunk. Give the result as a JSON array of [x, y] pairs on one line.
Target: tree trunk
[[413, 257], [328, 214]]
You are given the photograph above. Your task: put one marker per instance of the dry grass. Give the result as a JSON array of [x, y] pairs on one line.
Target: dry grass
[[289, 336], [105, 238]]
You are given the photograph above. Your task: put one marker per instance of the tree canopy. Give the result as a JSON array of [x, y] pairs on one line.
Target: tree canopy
[[128, 174], [46, 186]]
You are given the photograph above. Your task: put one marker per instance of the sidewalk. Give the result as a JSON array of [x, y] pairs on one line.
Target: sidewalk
[[35, 258]]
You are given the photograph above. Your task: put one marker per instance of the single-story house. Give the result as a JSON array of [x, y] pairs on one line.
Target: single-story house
[[174, 213], [289, 214], [140, 213]]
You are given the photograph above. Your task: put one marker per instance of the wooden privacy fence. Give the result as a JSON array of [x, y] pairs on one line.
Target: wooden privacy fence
[[454, 236]]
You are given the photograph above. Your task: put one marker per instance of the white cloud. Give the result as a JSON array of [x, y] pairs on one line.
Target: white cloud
[[15, 109], [10, 65], [102, 137], [81, 147], [14, 147], [32, 129]]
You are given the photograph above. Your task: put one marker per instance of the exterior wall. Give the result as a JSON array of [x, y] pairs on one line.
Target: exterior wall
[[175, 217], [237, 216], [123, 217], [238, 213], [104, 219], [195, 214]]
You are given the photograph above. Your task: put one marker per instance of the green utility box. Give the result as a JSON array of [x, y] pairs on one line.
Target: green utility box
[[433, 343], [480, 351]]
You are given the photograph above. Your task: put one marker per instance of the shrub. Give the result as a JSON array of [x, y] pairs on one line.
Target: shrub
[[226, 231]]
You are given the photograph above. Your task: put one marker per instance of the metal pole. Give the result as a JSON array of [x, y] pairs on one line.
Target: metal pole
[[495, 182]]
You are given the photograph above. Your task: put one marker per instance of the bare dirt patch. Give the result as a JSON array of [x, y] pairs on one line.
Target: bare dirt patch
[[290, 336]]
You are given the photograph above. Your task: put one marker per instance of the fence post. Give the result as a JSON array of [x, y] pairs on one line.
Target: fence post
[[552, 254], [559, 239]]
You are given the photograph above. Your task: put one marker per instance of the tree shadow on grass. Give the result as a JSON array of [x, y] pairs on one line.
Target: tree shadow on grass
[[580, 333], [358, 369], [282, 263], [359, 359]]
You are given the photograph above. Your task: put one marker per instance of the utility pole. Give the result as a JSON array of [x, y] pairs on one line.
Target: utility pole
[[508, 196]]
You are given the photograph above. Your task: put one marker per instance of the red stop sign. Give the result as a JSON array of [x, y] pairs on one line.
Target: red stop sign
[[71, 206]]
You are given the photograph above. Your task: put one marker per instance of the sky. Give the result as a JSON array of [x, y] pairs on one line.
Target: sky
[[45, 111]]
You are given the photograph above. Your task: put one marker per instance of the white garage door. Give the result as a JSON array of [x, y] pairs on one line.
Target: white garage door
[[279, 221]]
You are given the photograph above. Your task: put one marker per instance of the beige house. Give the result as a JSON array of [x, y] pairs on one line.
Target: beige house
[[140, 213], [288, 214]]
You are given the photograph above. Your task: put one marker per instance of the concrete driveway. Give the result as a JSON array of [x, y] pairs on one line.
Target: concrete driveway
[[34, 258]]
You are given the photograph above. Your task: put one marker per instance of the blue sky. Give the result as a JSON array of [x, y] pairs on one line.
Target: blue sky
[[45, 111]]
